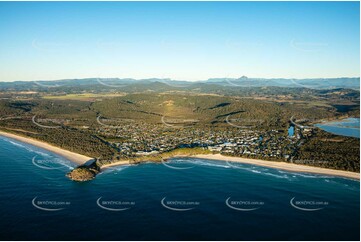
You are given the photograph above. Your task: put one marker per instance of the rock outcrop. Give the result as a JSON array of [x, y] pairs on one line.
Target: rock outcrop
[[84, 172]]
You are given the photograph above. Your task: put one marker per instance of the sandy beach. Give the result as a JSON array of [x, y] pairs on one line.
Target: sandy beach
[[81, 159], [283, 166], [74, 157], [272, 164], [117, 163]]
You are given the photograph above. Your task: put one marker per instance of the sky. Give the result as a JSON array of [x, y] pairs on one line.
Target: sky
[[178, 40]]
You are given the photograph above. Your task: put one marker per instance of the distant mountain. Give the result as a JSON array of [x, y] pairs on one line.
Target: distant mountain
[[167, 84], [316, 83]]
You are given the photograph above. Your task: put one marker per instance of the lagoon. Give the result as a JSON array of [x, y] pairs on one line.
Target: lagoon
[[347, 127]]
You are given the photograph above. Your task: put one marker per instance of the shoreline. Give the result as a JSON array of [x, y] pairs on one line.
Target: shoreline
[[117, 163], [82, 159], [264, 163], [283, 166], [71, 156]]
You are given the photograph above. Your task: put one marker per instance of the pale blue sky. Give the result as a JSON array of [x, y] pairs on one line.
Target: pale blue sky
[[179, 40]]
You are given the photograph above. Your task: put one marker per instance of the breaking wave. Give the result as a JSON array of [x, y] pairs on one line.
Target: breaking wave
[[61, 161]]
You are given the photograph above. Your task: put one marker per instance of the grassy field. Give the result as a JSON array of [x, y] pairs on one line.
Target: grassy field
[[84, 96]]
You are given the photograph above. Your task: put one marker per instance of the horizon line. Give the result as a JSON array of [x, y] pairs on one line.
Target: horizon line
[[167, 78]]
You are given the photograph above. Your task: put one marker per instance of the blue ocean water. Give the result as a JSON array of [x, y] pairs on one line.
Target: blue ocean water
[[347, 127], [185, 199]]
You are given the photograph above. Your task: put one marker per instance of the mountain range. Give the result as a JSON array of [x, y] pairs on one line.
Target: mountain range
[[242, 82]]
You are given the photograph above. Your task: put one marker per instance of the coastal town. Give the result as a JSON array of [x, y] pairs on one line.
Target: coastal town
[[134, 139], [180, 121]]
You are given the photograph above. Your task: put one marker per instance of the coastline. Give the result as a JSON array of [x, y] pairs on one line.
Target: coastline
[[283, 166], [71, 156], [117, 163], [82, 159], [265, 163]]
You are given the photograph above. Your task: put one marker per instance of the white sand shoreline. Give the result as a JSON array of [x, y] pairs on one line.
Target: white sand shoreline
[[283, 166], [82, 159], [272, 164], [71, 156], [117, 163]]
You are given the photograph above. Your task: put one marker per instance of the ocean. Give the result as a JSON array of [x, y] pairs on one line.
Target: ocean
[[185, 199]]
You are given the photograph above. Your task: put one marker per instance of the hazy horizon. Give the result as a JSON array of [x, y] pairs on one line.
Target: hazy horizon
[[178, 40], [166, 78]]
